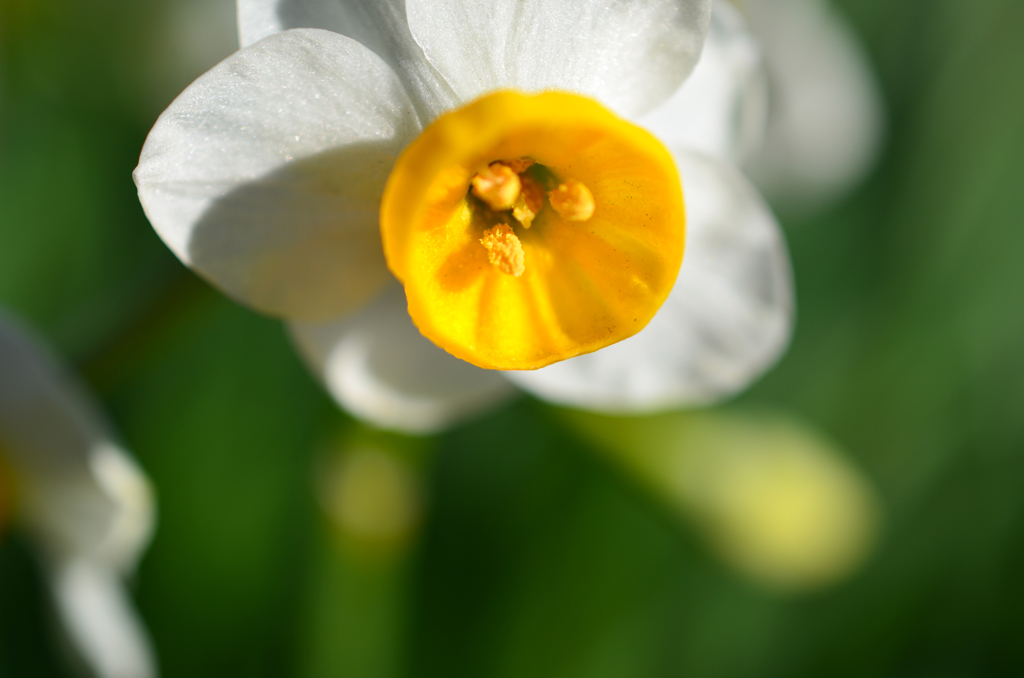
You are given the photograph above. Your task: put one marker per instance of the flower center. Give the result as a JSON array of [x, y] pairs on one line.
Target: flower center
[[517, 189], [528, 229]]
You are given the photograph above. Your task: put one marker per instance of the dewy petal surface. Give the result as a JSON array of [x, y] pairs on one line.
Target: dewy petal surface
[[722, 108], [78, 492], [380, 25], [630, 55], [827, 118], [727, 319], [265, 175], [378, 366]]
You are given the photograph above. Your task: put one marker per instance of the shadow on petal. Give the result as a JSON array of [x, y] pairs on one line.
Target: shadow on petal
[[303, 241]]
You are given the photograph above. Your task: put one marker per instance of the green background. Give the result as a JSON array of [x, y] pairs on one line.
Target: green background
[[535, 557]]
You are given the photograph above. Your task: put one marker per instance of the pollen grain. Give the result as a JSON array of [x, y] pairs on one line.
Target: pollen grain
[[504, 249]]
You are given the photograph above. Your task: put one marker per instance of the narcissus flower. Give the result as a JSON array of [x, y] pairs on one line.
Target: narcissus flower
[[80, 497], [491, 155]]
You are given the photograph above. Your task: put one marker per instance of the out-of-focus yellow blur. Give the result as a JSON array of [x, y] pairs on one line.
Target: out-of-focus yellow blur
[[775, 500]]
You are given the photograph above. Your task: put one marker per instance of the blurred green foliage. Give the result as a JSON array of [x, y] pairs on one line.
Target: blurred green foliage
[[536, 557]]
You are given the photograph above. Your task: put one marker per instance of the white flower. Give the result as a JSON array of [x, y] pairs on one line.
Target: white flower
[[82, 499], [266, 176]]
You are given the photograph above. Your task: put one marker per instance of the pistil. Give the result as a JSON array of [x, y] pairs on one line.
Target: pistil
[[530, 202]]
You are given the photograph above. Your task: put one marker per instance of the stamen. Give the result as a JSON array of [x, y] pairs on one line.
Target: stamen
[[504, 249], [530, 202], [498, 186], [572, 200]]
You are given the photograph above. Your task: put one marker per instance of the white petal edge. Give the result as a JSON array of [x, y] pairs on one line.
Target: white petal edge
[[79, 494], [827, 118], [630, 55], [380, 25], [265, 175], [722, 108], [378, 366], [726, 321], [99, 619]]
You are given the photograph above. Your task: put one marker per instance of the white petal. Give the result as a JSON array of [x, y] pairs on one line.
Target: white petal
[[380, 368], [100, 621], [265, 175], [826, 122], [722, 108], [631, 55], [726, 321], [378, 24], [78, 493]]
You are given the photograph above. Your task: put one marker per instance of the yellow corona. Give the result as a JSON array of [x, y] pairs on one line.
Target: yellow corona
[[528, 229]]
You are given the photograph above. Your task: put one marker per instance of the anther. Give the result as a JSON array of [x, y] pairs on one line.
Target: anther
[[572, 200], [498, 186], [530, 202], [504, 249]]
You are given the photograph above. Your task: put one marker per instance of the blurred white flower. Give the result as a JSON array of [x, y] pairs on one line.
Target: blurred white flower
[[266, 176], [826, 116], [803, 112], [81, 499], [722, 109]]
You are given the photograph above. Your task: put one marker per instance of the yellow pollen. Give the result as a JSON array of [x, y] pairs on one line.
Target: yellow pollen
[[498, 186], [572, 200], [530, 202], [504, 249]]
